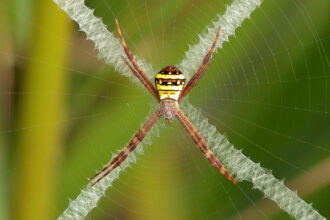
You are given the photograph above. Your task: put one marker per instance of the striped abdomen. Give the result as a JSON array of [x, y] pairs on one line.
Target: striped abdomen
[[169, 83]]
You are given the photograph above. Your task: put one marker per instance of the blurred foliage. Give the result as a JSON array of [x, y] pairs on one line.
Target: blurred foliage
[[43, 82], [267, 89]]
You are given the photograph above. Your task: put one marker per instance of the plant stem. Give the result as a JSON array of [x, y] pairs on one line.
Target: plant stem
[[41, 110]]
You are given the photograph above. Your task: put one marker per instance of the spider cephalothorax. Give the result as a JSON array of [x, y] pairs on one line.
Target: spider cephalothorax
[[169, 109], [170, 90]]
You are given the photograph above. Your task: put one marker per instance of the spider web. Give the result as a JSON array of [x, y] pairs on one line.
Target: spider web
[[246, 82], [267, 90]]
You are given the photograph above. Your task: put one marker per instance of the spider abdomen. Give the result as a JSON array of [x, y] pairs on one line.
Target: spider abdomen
[[169, 83]]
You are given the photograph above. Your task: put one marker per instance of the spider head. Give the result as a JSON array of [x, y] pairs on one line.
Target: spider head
[[169, 82]]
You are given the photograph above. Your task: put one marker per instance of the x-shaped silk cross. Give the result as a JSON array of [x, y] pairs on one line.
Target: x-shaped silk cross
[[238, 164]]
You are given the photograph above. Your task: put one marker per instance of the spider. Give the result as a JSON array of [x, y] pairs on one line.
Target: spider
[[170, 90]]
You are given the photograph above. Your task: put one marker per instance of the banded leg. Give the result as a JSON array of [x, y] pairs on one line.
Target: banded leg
[[132, 69], [201, 144], [143, 77], [131, 146], [201, 70]]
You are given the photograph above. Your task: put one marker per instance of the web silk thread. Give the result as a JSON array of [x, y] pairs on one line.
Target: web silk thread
[[108, 46], [110, 50], [90, 195], [245, 169], [234, 16]]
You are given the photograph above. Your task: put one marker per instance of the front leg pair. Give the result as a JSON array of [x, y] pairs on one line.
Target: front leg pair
[[138, 72]]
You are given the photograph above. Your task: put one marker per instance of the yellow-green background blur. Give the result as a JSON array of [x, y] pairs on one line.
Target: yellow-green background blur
[[63, 111]]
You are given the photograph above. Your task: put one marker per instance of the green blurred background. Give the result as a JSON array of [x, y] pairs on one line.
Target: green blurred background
[[63, 112]]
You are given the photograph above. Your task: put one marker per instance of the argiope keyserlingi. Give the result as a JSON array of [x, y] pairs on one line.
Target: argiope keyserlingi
[[170, 90]]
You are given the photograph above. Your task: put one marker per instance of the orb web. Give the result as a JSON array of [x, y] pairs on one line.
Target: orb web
[[267, 89], [262, 61]]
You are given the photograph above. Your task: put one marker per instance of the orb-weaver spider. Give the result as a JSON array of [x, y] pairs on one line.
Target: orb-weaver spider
[[170, 90]]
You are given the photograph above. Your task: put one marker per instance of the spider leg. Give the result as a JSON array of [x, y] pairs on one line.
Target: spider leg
[[131, 146], [201, 144], [201, 70], [143, 77], [133, 70]]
